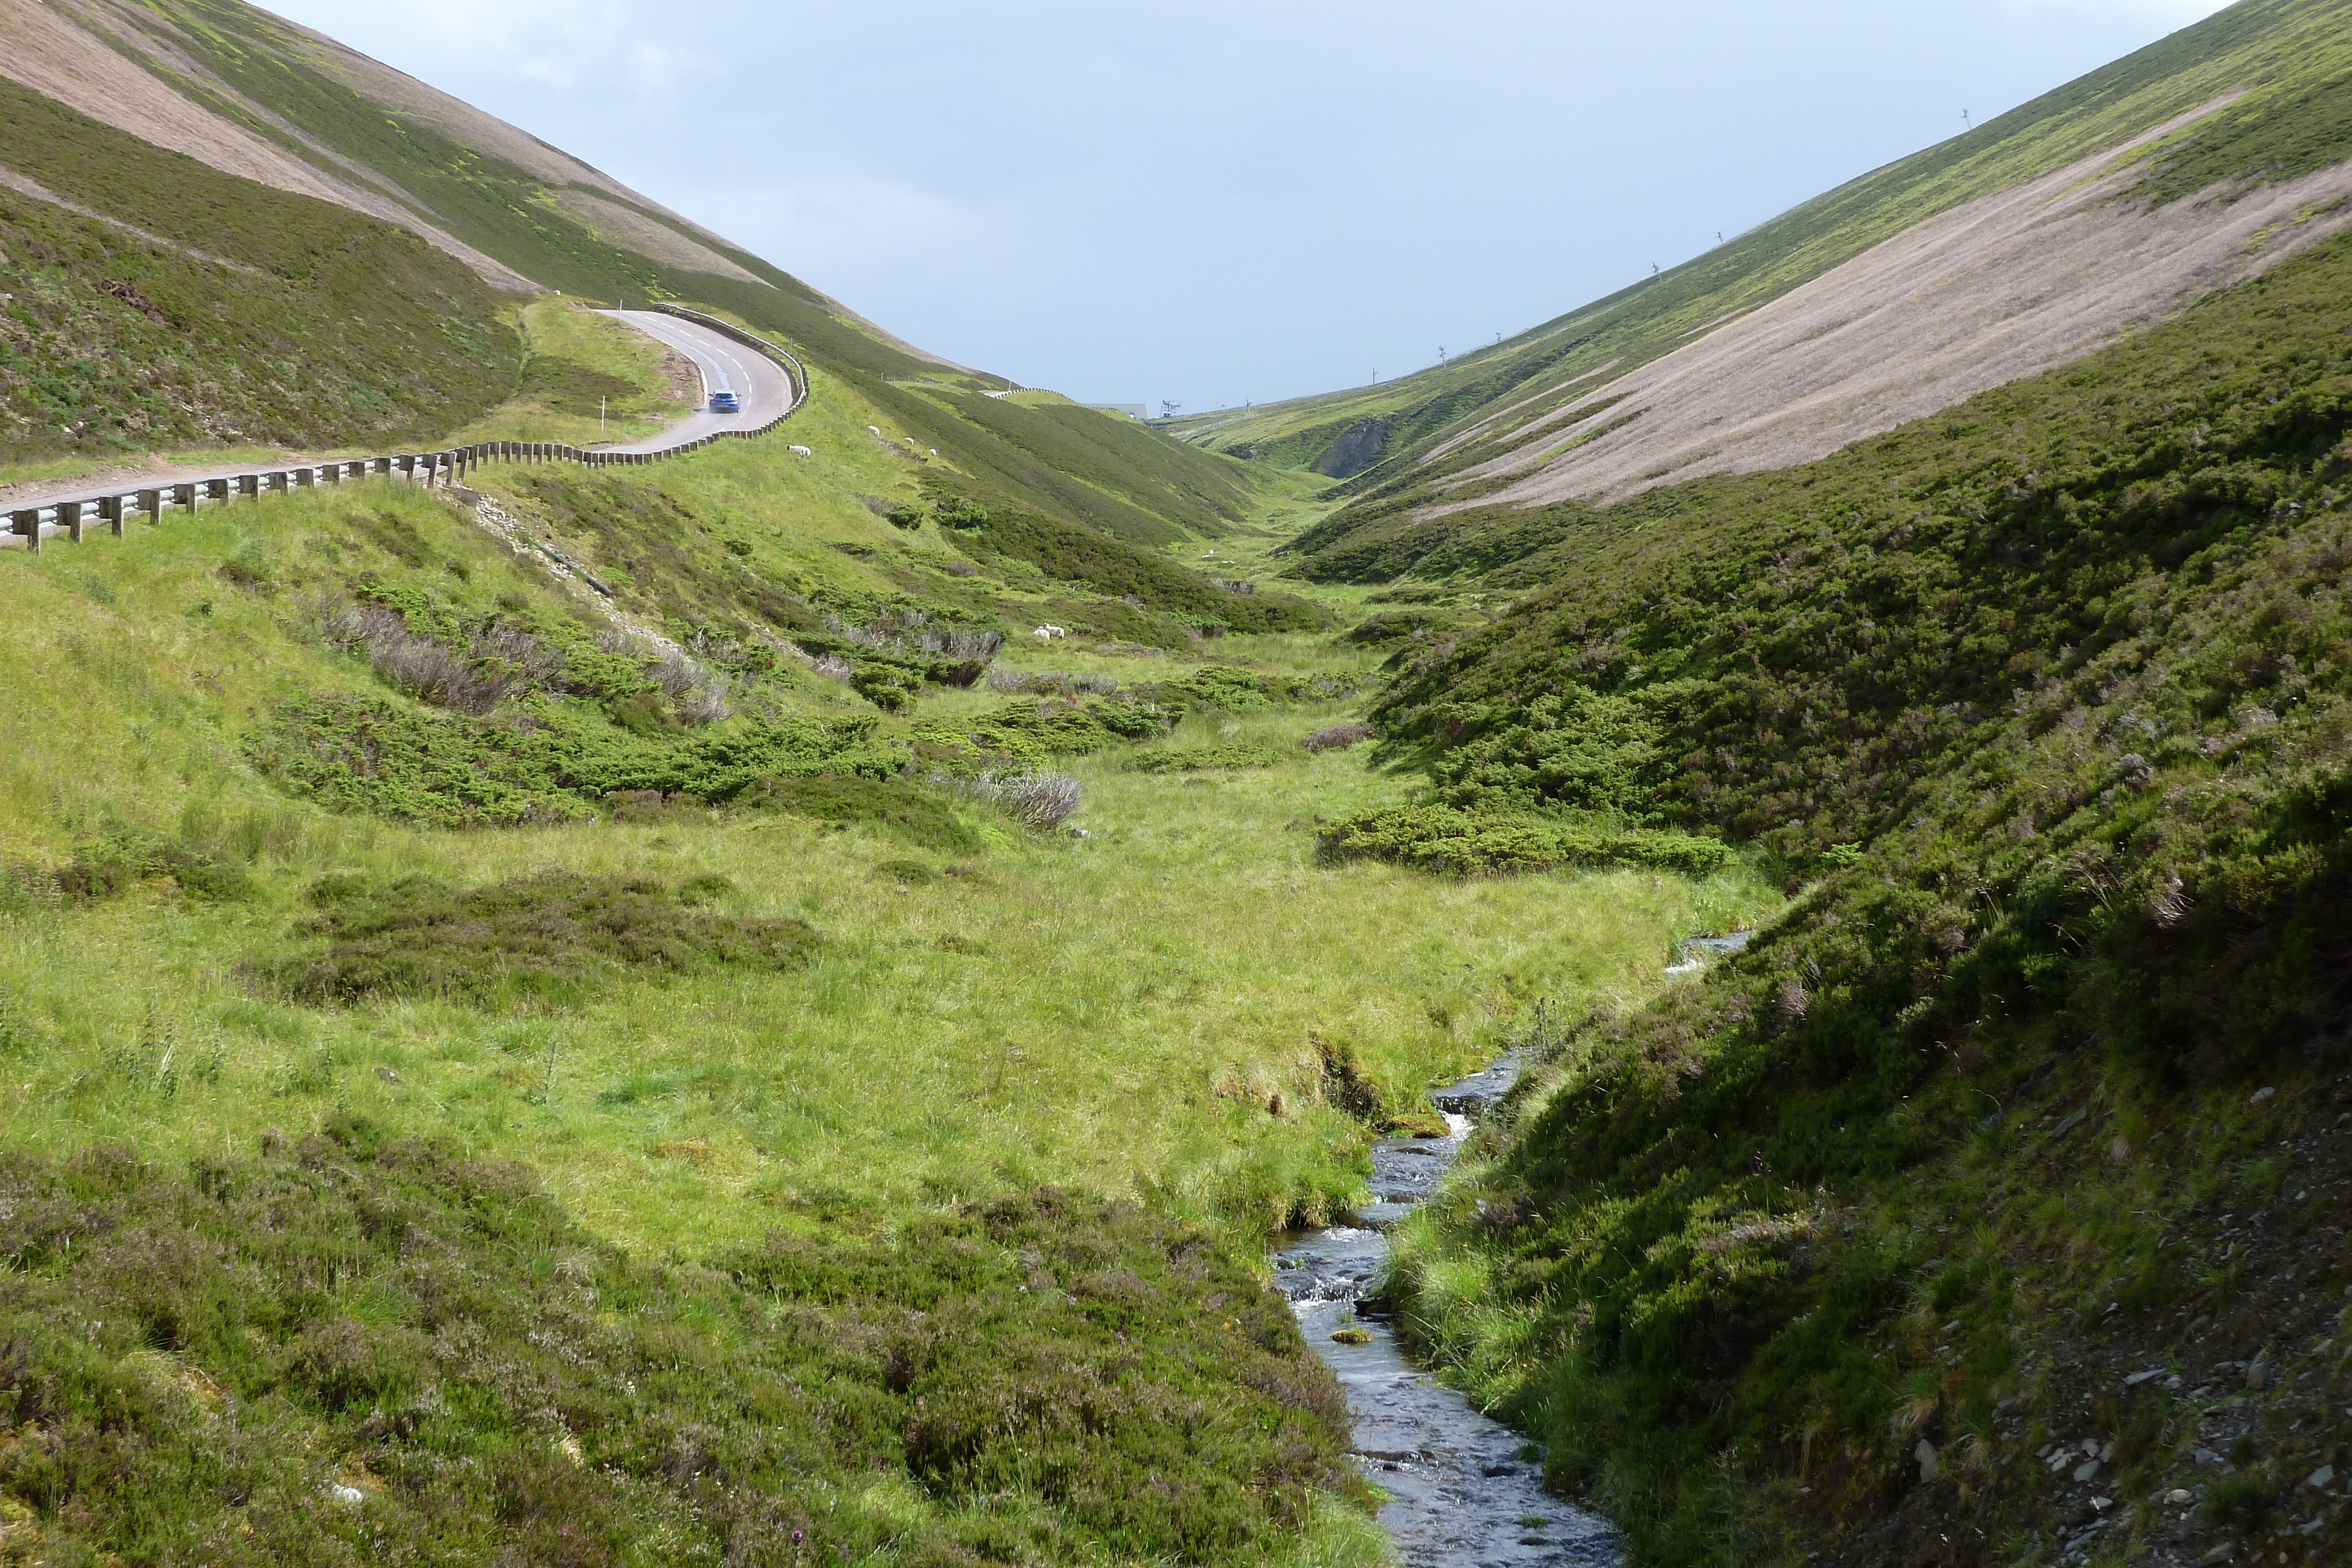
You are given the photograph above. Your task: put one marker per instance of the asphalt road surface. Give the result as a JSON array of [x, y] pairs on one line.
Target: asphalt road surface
[[726, 366]]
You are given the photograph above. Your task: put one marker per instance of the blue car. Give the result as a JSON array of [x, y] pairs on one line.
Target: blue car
[[726, 403]]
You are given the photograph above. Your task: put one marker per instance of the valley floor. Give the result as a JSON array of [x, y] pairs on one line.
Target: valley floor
[[919, 1012]]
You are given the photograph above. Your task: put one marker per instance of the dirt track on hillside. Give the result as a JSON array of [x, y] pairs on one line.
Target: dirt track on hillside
[[2005, 288]]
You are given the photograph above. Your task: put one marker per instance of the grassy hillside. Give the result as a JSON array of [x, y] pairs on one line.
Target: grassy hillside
[[1070, 464], [568, 1090], [239, 314], [2288, 57], [2040, 706]]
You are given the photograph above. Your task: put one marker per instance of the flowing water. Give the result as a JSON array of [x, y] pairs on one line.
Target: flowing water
[[1462, 1492]]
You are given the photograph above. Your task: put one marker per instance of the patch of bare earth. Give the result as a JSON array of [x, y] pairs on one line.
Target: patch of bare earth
[[2005, 288]]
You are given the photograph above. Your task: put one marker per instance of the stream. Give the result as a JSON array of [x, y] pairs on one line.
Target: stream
[[1460, 1493]]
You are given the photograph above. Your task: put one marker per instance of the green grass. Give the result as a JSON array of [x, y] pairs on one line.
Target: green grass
[[767, 1040], [585, 379]]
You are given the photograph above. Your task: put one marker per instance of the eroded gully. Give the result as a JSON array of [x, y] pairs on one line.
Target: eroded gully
[[1460, 1491]]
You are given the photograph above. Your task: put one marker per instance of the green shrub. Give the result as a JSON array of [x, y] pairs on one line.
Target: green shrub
[[889, 687], [110, 866], [204, 1354], [1028, 733], [1196, 758], [367, 755], [1224, 688], [1441, 838], [1389, 626], [900, 809], [1070, 552], [547, 934]]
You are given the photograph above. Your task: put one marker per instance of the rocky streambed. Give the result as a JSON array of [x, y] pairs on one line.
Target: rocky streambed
[[1463, 1490]]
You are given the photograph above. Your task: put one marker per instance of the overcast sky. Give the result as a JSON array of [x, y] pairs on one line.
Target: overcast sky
[[1227, 202]]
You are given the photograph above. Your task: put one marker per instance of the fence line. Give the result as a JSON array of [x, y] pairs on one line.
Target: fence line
[[28, 525]]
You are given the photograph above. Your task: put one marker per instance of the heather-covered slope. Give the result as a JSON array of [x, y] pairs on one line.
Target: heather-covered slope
[[2040, 706]]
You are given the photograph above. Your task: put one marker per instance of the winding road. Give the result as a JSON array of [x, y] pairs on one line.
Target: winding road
[[65, 508], [726, 365]]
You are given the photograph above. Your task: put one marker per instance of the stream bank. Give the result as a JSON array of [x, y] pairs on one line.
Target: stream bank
[[1462, 1489]]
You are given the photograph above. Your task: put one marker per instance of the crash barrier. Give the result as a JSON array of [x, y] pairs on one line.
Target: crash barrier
[[29, 526]]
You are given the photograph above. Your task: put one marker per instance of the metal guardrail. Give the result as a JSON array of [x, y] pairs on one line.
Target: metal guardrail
[[70, 519]]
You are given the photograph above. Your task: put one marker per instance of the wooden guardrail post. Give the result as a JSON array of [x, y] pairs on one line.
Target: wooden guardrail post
[[152, 503], [26, 523], [109, 512], [69, 519], [187, 496]]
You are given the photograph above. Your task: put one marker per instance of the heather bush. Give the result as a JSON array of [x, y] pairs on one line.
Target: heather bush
[[545, 935], [199, 1356], [1339, 736], [1441, 838]]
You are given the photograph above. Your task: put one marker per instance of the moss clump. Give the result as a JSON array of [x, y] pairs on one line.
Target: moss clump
[[535, 935]]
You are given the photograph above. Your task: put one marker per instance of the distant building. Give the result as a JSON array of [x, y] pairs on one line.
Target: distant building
[[1132, 410]]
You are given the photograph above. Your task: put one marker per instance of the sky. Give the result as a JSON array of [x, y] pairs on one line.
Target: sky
[[1234, 201]]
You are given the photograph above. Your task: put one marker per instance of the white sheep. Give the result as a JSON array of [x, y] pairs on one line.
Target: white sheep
[[800, 452], [1048, 632]]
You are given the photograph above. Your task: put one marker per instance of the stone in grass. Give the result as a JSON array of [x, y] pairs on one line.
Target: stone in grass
[[1352, 1336]]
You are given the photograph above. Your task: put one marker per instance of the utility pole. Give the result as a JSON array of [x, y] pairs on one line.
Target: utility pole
[[1965, 123], [600, 416]]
